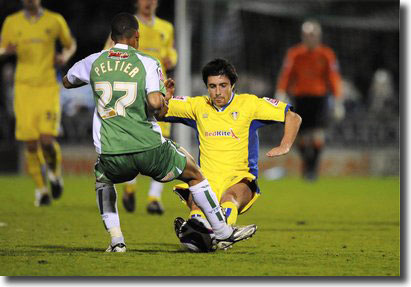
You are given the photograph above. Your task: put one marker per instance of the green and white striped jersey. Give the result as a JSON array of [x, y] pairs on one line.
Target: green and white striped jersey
[[121, 78]]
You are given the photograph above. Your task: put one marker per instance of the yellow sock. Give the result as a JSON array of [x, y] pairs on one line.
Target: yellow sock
[[53, 159], [129, 188], [196, 213], [231, 212], [153, 198], [36, 167]]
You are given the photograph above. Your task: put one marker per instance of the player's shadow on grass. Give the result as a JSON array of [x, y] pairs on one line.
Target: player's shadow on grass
[[174, 248]]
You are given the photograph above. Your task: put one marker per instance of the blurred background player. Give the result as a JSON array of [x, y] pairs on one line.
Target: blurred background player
[[156, 40], [129, 93], [31, 35], [309, 73], [226, 124]]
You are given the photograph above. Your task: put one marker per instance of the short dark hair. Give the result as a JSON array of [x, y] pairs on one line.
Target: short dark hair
[[219, 67], [123, 25]]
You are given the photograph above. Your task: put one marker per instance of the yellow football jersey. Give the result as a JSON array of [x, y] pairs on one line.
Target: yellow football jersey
[[228, 139], [35, 39], [156, 40]]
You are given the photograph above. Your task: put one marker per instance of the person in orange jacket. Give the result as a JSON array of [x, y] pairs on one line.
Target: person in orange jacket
[[310, 72]]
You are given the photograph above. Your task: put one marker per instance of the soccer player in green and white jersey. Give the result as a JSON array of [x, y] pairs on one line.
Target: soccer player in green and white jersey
[[129, 93]]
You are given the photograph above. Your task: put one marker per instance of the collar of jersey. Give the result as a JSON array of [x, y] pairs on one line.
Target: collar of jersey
[[121, 46], [36, 17], [150, 24], [226, 105]]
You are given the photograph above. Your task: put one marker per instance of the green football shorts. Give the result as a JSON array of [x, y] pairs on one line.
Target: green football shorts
[[164, 163]]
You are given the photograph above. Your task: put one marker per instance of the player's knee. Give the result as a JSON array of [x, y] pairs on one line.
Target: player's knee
[[192, 174], [47, 141], [229, 196], [32, 146]]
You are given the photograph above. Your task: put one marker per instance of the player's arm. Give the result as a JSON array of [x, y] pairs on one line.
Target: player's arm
[[7, 47], [68, 42], [79, 74], [163, 103], [334, 76], [157, 104], [66, 54], [269, 110], [291, 127], [334, 79], [68, 85], [170, 60]]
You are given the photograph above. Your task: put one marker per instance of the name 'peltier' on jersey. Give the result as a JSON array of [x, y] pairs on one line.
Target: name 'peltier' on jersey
[[105, 67]]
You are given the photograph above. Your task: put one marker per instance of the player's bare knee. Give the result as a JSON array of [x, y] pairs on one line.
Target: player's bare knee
[[192, 174], [229, 195], [32, 146], [47, 140]]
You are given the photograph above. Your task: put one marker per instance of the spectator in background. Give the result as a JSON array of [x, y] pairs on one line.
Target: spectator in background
[[156, 40], [309, 73], [31, 35]]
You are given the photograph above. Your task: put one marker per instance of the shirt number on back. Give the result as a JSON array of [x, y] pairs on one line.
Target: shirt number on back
[[121, 104]]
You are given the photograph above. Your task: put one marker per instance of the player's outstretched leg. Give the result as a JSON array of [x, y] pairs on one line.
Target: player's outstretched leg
[[107, 204], [206, 200]]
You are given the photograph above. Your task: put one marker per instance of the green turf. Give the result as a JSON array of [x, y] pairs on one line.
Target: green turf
[[334, 227]]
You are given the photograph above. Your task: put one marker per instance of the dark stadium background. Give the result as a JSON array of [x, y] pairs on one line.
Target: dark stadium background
[[254, 35]]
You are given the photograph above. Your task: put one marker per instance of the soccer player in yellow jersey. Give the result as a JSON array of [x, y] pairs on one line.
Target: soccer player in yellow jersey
[[156, 40], [226, 124], [31, 34]]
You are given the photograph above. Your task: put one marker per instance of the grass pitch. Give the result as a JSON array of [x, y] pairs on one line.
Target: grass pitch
[[333, 227]]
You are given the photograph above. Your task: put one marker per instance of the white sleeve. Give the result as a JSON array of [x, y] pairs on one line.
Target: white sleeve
[[80, 72], [154, 75]]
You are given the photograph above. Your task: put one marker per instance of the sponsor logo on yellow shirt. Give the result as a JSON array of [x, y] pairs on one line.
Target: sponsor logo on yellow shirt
[[229, 133]]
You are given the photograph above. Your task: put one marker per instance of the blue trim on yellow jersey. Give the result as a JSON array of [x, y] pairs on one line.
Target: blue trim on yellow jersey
[[226, 105], [184, 121], [288, 107], [254, 145]]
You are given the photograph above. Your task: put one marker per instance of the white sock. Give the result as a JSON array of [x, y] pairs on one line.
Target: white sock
[[116, 235], [111, 220], [133, 181], [156, 189], [206, 199]]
